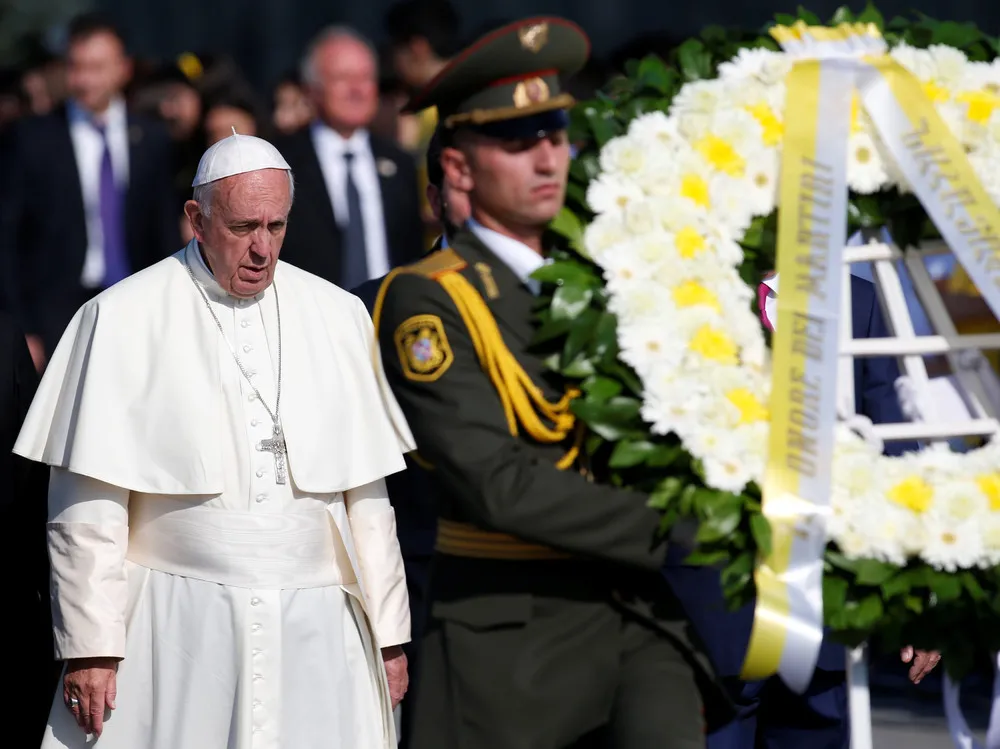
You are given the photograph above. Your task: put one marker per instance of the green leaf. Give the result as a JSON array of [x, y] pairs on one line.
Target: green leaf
[[809, 17], [871, 15], [954, 34], [580, 334], [570, 301], [945, 587], [706, 558], [629, 453], [865, 211], [585, 167], [605, 345], [720, 514], [694, 60], [550, 330], [914, 604], [601, 389], [760, 528], [665, 493], [834, 596], [653, 73], [737, 575], [578, 369], [873, 572], [785, 19], [843, 14], [972, 585], [568, 273], [867, 613], [664, 455], [615, 420], [603, 123], [568, 224], [905, 581]]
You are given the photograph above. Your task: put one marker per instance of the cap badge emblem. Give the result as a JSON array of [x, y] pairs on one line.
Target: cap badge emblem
[[529, 92], [534, 37]]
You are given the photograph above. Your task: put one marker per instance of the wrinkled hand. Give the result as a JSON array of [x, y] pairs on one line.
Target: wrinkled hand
[[923, 662], [93, 682], [396, 673]]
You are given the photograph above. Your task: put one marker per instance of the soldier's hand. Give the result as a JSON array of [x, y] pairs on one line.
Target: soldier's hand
[[923, 662], [396, 673]]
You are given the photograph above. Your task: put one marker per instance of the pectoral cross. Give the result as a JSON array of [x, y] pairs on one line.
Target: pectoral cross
[[276, 445]]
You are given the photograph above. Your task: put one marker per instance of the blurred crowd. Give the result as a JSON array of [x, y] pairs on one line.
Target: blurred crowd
[[129, 131]]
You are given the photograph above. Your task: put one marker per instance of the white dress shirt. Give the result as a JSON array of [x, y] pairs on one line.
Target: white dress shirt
[[330, 149], [88, 148], [517, 256]]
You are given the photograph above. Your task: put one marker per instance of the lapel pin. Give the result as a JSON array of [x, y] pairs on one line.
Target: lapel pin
[[386, 167]]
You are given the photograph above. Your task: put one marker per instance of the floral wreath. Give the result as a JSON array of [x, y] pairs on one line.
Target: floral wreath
[[675, 195]]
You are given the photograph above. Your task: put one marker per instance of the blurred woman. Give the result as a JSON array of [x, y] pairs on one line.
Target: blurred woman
[[292, 108], [226, 111]]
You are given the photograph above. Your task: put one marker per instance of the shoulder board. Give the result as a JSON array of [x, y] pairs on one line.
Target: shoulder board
[[438, 263]]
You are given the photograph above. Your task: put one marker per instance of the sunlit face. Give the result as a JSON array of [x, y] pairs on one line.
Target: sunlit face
[[97, 70], [242, 236], [345, 92], [520, 184], [220, 121]]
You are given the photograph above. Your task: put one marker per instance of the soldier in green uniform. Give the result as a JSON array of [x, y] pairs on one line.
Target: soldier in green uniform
[[550, 625]]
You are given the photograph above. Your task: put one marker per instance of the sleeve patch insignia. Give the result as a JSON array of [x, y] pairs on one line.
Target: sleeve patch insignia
[[423, 348]]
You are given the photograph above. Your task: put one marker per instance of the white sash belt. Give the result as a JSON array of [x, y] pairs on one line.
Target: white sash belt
[[241, 549]]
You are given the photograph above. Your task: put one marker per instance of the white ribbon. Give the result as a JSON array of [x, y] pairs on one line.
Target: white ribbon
[[958, 726]]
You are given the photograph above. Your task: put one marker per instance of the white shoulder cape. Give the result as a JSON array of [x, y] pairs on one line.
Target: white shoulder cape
[[132, 394]]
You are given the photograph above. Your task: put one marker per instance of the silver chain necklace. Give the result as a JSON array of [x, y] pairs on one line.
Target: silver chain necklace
[[275, 444]]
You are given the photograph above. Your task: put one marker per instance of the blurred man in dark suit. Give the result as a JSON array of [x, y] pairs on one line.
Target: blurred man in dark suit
[[85, 193], [356, 212], [24, 555]]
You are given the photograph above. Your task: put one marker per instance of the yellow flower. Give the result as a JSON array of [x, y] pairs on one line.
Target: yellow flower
[[989, 484], [913, 493], [721, 155], [774, 128], [689, 242], [695, 188], [981, 105], [935, 92], [692, 293], [750, 408], [714, 344]]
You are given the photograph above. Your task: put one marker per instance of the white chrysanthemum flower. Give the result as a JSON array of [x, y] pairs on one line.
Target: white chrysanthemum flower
[[604, 235], [990, 535], [622, 157], [865, 168], [672, 404], [917, 61], [733, 137], [611, 194], [764, 66], [647, 348], [951, 546], [642, 300], [959, 502], [761, 181], [728, 204], [696, 104], [947, 65], [656, 131]]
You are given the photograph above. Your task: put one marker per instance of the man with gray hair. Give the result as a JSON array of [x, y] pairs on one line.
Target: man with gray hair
[[358, 215], [225, 568]]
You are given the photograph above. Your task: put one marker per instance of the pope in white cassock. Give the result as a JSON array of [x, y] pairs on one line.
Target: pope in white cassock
[[225, 569]]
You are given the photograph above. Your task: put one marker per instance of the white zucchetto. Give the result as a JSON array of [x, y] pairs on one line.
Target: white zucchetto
[[237, 154]]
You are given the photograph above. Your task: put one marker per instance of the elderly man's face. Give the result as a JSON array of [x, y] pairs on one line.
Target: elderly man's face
[[242, 235], [345, 92]]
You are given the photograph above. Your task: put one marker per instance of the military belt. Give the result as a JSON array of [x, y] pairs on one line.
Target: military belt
[[464, 540]]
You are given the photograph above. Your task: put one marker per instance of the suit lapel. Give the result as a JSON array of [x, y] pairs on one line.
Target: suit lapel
[[314, 181], [386, 169], [64, 153]]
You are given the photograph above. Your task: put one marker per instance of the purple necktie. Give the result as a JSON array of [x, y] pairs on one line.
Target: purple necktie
[[116, 266]]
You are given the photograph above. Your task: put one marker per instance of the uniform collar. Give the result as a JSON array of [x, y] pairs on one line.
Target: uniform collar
[[521, 259]]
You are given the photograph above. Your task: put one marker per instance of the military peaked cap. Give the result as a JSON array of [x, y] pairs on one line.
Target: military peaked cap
[[507, 84]]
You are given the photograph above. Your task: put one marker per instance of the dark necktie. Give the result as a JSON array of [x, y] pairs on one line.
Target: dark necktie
[[116, 265], [354, 261]]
